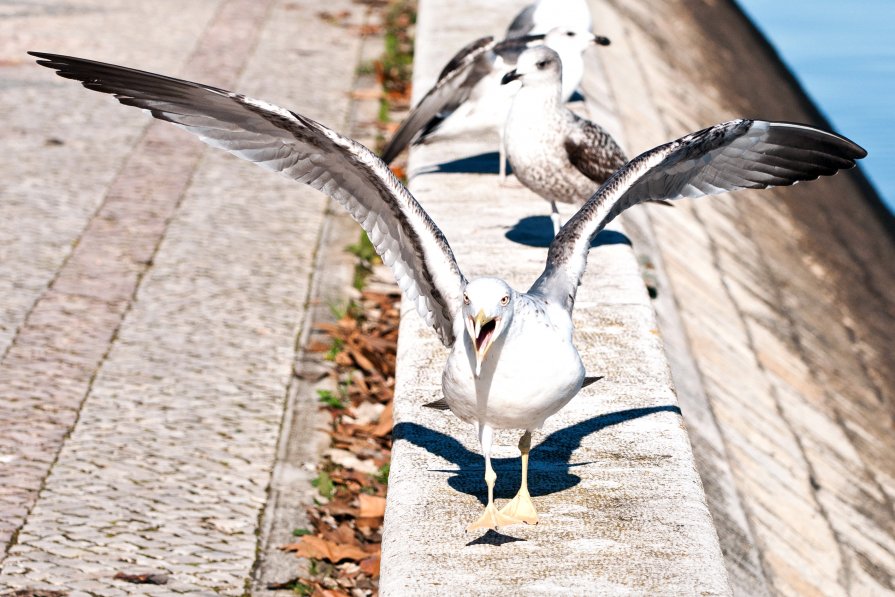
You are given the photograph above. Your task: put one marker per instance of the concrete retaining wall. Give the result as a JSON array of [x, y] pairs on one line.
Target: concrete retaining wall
[[622, 507]]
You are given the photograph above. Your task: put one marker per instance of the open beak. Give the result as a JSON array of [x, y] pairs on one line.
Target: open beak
[[482, 330], [599, 40], [510, 77]]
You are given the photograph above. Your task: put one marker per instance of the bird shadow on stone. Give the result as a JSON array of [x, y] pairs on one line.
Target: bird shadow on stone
[[483, 163], [537, 231], [550, 469], [492, 537]]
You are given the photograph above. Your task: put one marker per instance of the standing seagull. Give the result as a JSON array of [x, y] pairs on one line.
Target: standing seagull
[[471, 79], [553, 151], [512, 362]]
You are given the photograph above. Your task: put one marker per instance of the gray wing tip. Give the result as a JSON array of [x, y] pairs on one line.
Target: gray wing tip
[[105, 77], [464, 54], [440, 404], [591, 380], [391, 151], [846, 148], [57, 62]]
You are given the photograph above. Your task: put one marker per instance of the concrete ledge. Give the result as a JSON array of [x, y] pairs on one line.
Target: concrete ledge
[[623, 509]]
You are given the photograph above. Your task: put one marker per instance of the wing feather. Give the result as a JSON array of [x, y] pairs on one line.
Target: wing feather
[[282, 141], [455, 84], [593, 151], [739, 154]]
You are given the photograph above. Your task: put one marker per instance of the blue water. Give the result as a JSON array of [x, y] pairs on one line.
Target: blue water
[[843, 53]]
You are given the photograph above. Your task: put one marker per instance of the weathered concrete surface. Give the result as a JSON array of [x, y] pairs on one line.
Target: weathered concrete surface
[[149, 347], [777, 311], [622, 508]]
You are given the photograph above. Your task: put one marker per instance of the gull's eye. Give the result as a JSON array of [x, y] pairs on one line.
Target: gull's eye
[[542, 64], [505, 300], [465, 299], [570, 33]]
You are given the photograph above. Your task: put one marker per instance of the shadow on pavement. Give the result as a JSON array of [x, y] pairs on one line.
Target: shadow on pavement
[[537, 231], [549, 464]]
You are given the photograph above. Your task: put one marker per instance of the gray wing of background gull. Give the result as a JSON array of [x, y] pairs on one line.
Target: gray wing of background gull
[[523, 22], [558, 13], [282, 141], [739, 154], [455, 84]]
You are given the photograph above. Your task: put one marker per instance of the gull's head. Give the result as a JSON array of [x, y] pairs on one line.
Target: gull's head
[[569, 40], [487, 311], [536, 66]]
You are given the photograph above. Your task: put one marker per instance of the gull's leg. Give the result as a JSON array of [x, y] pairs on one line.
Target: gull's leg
[[554, 217], [502, 156], [490, 518], [521, 507]]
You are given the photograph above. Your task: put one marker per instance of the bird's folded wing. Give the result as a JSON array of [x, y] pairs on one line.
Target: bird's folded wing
[[511, 48], [455, 84], [738, 154], [279, 140], [523, 22], [453, 87], [593, 151]]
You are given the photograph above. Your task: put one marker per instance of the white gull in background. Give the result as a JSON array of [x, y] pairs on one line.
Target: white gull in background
[[512, 362], [469, 85], [553, 151]]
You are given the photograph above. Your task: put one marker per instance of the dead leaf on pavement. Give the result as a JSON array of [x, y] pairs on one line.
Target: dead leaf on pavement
[[321, 549], [145, 578], [370, 566], [385, 424], [370, 93], [371, 506]]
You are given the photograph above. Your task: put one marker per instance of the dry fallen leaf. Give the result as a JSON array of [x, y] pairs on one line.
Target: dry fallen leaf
[[370, 566], [321, 592], [143, 578], [341, 507], [343, 535], [368, 30], [369, 93], [320, 549], [386, 422], [371, 506], [367, 525]]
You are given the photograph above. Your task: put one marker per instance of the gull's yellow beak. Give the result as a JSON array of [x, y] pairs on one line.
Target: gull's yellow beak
[[481, 329]]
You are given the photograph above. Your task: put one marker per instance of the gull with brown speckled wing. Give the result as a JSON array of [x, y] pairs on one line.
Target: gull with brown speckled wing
[[553, 151]]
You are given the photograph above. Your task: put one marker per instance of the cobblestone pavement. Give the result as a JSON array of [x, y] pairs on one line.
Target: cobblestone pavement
[[152, 293]]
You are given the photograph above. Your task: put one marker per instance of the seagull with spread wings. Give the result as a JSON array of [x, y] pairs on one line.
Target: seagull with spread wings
[[512, 362]]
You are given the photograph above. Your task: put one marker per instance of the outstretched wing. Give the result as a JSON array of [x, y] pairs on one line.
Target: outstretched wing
[[455, 83], [740, 154], [282, 141], [593, 151]]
